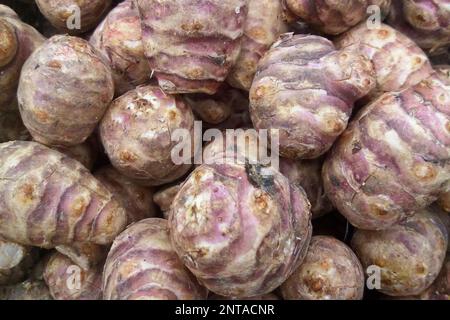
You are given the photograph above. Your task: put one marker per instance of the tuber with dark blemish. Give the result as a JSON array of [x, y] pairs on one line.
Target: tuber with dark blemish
[[241, 229]]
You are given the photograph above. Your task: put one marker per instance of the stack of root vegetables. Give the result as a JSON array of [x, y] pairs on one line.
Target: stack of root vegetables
[[94, 206]]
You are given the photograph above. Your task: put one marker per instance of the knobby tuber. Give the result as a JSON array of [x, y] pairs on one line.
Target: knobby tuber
[[333, 17], [73, 16], [427, 22], [398, 62], [119, 39], [263, 25], [306, 88], [64, 90], [68, 281], [136, 132], [48, 199], [330, 271], [191, 45], [409, 255], [393, 159], [17, 41], [142, 265], [241, 229]]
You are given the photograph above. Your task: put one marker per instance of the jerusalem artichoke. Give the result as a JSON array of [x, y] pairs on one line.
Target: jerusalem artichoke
[[305, 88], [48, 199], [66, 14], [192, 45], [64, 90], [136, 133], [393, 159], [142, 265], [330, 271], [119, 39], [409, 255], [242, 230]]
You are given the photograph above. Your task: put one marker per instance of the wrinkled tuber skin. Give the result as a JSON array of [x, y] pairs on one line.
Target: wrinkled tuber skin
[[142, 265], [192, 45], [16, 261], [409, 255], [398, 62], [393, 159], [263, 26], [136, 133], [164, 198], [68, 281], [306, 88], [28, 290], [64, 90], [267, 296], [17, 41], [119, 39], [427, 22], [48, 199], [308, 175], [85, 153], [86, 255], [60, 13], [137, 200], [11, 127], [329, 17], [242, 230], [330, 271]]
